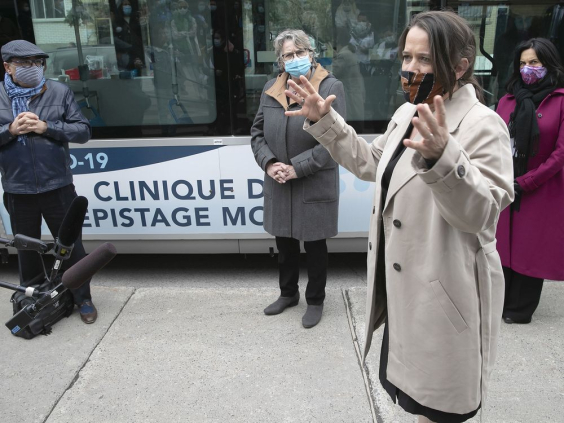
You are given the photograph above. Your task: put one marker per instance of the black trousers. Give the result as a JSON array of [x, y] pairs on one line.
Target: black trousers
[[522, 295], [25, 212], [289, 267]]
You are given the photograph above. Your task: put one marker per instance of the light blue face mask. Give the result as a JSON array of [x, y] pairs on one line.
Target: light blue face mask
[[298, 67]]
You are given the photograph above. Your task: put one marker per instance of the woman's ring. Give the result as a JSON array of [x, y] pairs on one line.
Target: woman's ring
[[303, 101]]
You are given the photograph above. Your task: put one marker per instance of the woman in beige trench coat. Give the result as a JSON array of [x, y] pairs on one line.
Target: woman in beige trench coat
[[442, 179]]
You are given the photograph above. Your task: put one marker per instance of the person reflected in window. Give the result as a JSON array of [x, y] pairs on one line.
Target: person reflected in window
[[217, 14], [362, 37], [386, 48], [202, 16], [59, 9], [259, 35], [301, 180], [347, 70], [442, 173], [8, 32], [235, 23], [229, 72], [187, 50], [127, 36], [24, 19], [384, 71], [184, 29], [346, 16], [529, 242]]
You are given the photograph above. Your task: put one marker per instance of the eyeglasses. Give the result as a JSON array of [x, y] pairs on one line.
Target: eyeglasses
[[29, 63], [299, 54]]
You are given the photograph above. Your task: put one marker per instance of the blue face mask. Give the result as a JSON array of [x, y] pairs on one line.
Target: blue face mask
[[127, 10], [298, 67]]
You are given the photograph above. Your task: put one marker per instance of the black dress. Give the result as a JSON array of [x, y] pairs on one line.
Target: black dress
[[397, 395]]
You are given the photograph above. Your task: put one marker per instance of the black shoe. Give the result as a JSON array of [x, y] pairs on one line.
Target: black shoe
[[510, 321], [281, 304], [312, 315]]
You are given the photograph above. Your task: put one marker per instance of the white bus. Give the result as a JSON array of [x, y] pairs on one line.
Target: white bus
[[171, 89]]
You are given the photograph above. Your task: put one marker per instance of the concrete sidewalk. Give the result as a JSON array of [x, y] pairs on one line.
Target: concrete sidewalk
[[186, 355], [527, 384], [191, 344]]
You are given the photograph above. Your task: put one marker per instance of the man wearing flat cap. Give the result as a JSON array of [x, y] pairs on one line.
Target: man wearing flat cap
[[38, 119]]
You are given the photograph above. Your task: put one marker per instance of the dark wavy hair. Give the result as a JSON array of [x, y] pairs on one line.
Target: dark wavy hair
[[548, 56], [450, 40]]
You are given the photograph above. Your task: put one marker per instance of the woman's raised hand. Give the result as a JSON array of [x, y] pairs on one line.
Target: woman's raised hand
[[314, 107], [433, 130]]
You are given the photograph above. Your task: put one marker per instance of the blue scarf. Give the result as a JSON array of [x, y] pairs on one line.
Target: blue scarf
[[20, 97]]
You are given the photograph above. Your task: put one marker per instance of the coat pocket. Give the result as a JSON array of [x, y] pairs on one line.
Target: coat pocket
[[448, 307], [322, 186]]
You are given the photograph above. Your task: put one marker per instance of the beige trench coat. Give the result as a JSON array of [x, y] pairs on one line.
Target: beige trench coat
[[444, 279]]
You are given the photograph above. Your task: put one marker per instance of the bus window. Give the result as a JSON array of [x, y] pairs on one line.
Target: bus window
[[500, 28], [354, 39], [131, 63]]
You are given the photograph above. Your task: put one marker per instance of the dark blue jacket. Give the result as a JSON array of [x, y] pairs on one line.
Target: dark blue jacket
[[43, 163]]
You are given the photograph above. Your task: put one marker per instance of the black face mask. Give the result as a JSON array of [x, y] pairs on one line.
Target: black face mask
[[420, 87]]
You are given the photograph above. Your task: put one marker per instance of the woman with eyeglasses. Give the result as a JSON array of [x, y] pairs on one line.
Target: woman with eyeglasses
[[301, 181], [530, 233]]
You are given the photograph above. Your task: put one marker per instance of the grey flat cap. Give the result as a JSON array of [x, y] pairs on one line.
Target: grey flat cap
[[21, 48]]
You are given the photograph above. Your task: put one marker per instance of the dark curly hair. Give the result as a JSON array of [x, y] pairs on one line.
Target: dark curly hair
[[548, 56]]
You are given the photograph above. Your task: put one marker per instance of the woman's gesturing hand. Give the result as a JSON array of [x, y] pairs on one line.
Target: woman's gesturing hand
[[314, 107], [433, 130]]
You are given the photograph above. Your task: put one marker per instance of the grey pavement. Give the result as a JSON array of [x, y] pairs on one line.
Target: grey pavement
[[183, 339]]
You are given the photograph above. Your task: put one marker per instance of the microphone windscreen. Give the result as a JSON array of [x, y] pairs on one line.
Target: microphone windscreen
[[72, 223], [82, 271]]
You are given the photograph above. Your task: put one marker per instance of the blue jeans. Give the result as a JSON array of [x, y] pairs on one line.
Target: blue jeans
[[25, 212]]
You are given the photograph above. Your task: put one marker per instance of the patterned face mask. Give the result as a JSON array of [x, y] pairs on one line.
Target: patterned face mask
[[532, 74], [29, 77], [420, 87]]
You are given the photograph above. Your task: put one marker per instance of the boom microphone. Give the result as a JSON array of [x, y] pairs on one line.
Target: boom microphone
[[82, 271], [69, 232], [72, 222]]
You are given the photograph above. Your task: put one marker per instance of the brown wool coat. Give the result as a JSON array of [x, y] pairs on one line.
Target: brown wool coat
[[444, 279]]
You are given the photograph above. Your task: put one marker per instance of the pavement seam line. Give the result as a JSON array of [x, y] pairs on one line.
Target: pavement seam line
[[77, 375], [361, 276], [367, 385]]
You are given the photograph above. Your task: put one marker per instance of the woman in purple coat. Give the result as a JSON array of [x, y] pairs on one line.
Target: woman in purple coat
[[530, 233]]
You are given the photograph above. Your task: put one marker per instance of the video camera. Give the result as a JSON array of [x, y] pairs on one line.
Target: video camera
[[47, 299]]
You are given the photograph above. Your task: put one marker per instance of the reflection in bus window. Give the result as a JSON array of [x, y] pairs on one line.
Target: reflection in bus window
[[135, 62], [503, 28], [161, 65], [355, 39]]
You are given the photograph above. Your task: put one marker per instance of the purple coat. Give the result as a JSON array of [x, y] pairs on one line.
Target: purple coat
[[531, 241]]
